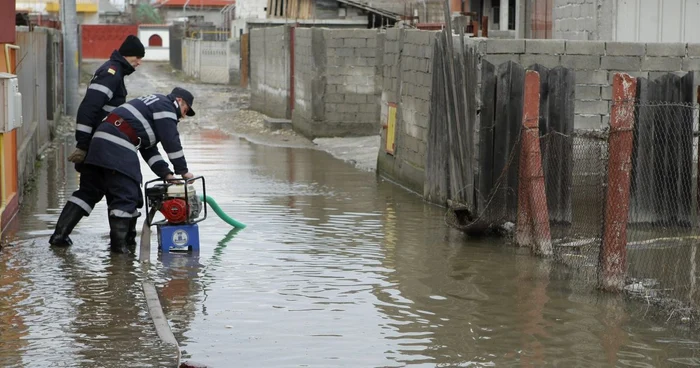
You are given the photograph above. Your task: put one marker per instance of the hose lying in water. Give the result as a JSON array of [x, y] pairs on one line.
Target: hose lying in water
[[215, 206]]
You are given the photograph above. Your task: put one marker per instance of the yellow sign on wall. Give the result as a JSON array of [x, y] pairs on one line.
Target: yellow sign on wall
[[391, 129]]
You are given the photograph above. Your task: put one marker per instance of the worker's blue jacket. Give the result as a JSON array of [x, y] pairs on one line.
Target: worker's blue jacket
[[152, 119], [105, 92]]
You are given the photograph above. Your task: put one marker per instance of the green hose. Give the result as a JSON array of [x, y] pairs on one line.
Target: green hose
[[215, 206]]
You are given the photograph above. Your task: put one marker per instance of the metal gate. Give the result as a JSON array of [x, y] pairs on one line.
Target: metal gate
[[657, 21]]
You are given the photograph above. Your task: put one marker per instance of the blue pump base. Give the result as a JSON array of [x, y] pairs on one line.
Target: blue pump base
[[178, 238]]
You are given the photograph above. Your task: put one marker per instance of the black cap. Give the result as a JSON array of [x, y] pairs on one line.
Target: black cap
[[185, 95], [132, 46]]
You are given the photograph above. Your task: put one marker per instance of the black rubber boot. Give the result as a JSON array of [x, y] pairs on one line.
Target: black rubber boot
[[70, 216], [131, 235], [118, 230]]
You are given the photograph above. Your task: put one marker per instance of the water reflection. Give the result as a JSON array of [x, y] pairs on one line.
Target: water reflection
[[336, 267]]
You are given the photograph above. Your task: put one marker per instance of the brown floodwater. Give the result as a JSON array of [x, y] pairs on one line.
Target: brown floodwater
[[336, 268]]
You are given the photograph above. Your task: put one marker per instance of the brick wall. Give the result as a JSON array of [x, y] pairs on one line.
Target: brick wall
[[582, 19], [406, 81], [335, 92], [269, 71], [595, 63]]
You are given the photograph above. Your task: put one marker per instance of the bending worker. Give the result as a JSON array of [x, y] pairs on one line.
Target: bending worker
[[112, 166], [105, 92]]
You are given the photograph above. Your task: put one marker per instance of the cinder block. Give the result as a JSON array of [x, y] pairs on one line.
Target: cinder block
[[496, 46], [693, 49], [625, 48], [372, 42], [344, 52], [657, 75], [366, 52], [666, 64], [581, 62], [497, 59], [691, 64], [552, 47], [606, 93], [631, 63], [587, 92], [587, 121], [666, 49], [599, 107], [355, 42], [355, 99], [611, 74], [574, 47], [549, 61], [334, 98]]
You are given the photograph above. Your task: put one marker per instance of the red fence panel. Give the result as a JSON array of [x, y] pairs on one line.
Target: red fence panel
[[99, 40]]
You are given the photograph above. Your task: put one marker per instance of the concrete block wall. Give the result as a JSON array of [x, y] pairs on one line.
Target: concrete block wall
[[270, 71], [595, 63], [305, 78], [407, 78], [344, 100], [582, 19], [234, 61]]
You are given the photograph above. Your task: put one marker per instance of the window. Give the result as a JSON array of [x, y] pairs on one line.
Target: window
[[155, 41]]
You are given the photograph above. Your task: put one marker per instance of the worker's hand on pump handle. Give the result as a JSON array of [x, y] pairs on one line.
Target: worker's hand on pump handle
[[172, 178]]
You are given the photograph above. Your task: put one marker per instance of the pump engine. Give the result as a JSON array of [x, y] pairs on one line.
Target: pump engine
[[179, 205], [181, 208]]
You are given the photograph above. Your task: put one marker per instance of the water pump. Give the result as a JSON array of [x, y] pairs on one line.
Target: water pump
[[181, 208]]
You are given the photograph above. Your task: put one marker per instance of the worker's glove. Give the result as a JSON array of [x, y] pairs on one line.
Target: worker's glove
[[78, 156]]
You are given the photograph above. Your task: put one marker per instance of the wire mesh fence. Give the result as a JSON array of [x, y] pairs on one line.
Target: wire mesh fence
[[663, 229], [660, 246]]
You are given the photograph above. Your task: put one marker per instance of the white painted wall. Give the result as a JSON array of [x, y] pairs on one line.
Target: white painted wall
[[245, 10], [657, 21], [156, 53]]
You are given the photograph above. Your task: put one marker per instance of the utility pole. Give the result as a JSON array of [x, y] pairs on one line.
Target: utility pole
[[69, 27]]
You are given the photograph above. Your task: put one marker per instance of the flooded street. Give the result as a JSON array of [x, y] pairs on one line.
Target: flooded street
[[336, 268]]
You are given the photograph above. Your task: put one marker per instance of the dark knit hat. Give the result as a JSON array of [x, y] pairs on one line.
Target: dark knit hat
[[132, 46]]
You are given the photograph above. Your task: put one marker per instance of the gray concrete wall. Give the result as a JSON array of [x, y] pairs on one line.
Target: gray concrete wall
[[406, 76], [38, 62], [595, 63], [307, 79], [269, 71], [335, 94], [583, 19], [234, 64]]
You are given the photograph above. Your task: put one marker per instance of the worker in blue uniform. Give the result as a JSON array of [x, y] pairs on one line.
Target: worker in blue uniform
[[112, 168], [105, 92]]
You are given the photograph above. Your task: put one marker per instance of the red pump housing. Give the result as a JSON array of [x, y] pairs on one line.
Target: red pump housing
[[175, 210]]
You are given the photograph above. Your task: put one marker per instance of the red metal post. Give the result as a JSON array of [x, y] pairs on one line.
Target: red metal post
[[614, 253], [536, 196], [523, 226]]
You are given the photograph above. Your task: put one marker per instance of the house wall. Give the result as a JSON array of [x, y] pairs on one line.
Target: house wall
[[155, 53], [245, 10], [583, 19], [595, 63], [210, 15], [269, 71], [335, 92], [406, 75]]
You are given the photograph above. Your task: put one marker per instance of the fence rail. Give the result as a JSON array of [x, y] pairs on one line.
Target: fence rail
[[621, 204]]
